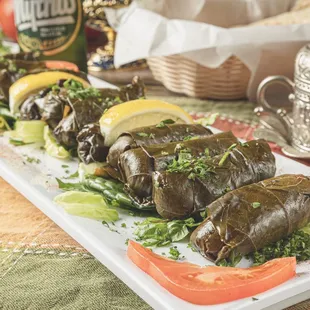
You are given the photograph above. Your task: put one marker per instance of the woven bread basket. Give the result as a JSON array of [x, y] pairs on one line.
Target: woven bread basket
[[227, 82], [185, 76]]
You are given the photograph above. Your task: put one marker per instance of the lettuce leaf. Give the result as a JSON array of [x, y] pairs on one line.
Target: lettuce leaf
[[86, 204]]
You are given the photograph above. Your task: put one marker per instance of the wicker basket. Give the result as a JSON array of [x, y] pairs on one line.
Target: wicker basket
[[230, 80], [181, 75]]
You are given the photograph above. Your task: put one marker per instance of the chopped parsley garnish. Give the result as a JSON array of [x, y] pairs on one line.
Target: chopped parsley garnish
[[165, 122], [187, 138], [142, 134], [245, 144], [174, 253], [297, 244], [110, 228], [127, 240], [194, 167], [151, 135], [32, 159], [64, 166], [254, 299], [256, 204], [124, 225], [76, 90], [190, 246], [164, 153]]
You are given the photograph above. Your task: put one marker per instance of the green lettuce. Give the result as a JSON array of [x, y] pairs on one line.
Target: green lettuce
[[86, 204], [52, 147]]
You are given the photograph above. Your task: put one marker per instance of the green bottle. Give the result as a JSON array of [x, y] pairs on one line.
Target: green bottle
[[53, 27]]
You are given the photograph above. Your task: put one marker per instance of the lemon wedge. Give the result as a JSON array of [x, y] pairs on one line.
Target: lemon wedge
[[30, 84], [139, 113]]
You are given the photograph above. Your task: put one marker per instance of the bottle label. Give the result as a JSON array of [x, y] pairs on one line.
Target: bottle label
[[50, 26]]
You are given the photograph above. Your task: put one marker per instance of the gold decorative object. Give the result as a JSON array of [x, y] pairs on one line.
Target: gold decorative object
[[103, 57]]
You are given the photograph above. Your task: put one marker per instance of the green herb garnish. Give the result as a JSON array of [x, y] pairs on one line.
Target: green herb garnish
[[190, 246], [76, 90], [232, 261], [110, 228], [256, 204], [64, 166], [297, 244], [165, 122], [174, 253], [124, 225], [32, 159], [187, 138], [142, 134], [194, 167], [226, 154], [159, 232]]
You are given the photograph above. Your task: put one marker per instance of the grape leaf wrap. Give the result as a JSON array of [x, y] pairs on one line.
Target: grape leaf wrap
[[249, 218]]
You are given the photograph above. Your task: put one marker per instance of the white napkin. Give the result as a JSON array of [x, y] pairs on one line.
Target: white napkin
[[143, 33]]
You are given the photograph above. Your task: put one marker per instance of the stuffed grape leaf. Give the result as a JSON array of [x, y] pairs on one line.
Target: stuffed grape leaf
[[189, 185], [145, 136], [249, 218], [137, 165]]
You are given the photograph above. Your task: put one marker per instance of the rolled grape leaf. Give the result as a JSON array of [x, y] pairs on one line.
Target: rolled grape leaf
[[137, 165], [135, 90], [188, 186], [249, 218], [52, 108], [145, 136], [13, 68], [29, 110], [91, 146], [89, 110]]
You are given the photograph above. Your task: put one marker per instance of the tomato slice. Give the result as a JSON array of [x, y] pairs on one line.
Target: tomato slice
[[59, 64], [211, 285]]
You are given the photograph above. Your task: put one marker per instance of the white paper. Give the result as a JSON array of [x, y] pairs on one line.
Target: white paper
[[143, 34]]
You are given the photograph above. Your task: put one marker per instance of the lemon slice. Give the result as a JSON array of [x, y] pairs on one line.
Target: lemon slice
[[30, 84], [139, 113]]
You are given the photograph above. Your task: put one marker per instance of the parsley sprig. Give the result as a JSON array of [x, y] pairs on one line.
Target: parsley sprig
[[200, 167], [76, 90]]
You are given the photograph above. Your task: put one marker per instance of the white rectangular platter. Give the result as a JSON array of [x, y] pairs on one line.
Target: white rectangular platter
[[36, 181]]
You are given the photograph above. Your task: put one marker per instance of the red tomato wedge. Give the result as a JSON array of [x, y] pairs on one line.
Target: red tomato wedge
[[59, 64], [211, 285]]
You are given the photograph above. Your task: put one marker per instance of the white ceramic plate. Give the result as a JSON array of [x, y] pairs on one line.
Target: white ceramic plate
[[36, 181]]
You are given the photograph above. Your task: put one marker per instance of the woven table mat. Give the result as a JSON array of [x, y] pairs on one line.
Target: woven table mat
[[44, 268]]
